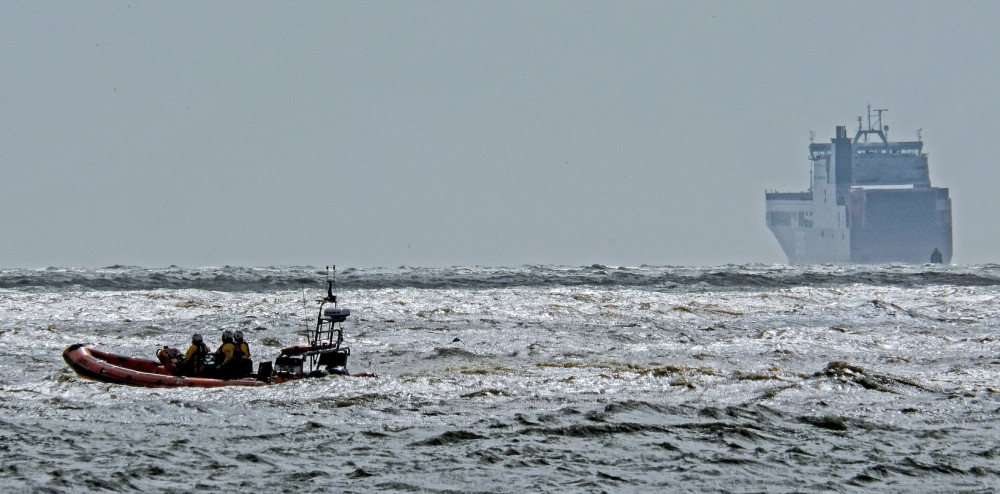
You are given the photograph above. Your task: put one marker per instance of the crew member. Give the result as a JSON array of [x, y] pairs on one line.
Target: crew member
[[194, 359], [243, 366], [224, 356]]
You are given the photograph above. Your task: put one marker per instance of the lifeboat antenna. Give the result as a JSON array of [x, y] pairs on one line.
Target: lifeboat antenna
[[331, 278]]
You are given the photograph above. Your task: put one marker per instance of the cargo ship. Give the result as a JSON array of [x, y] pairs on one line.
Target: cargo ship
[[870, 201]]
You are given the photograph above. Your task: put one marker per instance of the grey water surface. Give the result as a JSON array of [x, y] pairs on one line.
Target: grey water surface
[[752, 378]]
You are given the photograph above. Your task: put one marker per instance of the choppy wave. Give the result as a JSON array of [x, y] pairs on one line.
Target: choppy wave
[[735, 277], [528, 379]]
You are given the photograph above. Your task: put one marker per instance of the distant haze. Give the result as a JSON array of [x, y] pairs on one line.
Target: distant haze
[[452, 133]]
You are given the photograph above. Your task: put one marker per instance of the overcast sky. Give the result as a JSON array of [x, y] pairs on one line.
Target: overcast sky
[[439, 133]]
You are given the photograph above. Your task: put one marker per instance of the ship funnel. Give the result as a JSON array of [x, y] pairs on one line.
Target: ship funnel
[[842, 168]]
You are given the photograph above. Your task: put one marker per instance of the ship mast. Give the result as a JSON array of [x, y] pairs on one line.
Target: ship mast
[[873, 127]]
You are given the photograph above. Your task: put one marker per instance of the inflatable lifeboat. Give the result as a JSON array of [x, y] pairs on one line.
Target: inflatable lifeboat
[[119, 369], [324, 355]]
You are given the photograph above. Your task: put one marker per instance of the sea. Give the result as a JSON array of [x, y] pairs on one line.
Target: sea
[[735, 378]]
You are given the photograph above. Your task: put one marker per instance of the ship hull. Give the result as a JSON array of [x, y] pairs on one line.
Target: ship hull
[[814, 246], [905, 226], [884, 226]]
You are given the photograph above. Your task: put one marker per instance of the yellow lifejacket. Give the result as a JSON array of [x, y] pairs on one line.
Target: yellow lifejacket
[[195, 350], [226, 351], [244, 350]]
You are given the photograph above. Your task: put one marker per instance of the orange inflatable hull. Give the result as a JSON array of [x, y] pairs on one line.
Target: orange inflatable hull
[[118, 369]]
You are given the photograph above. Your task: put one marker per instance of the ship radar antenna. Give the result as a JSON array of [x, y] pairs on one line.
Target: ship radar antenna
[[920, 134], [874, 127], [812, 137]]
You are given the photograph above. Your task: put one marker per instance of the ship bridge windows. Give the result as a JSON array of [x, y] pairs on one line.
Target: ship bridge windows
[[888, 150], [819, 151]]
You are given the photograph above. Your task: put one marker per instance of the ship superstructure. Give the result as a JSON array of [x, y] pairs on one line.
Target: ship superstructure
[[870, 201]]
